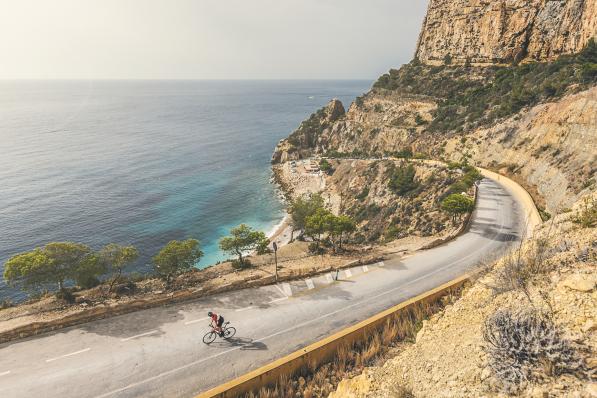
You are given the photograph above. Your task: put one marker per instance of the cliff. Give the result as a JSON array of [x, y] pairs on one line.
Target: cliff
[[504, 31]]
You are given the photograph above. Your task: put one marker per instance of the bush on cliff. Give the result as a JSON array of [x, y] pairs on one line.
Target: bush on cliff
[[472, 97], [402, 180], [524, 344], [176, 257]]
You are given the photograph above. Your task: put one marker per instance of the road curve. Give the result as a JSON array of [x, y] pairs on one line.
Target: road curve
[[158, 352]]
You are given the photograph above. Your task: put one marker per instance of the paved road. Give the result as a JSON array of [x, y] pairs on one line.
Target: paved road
[[159, 353]]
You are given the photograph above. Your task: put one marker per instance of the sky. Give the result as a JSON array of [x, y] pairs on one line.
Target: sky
[[206, 39]]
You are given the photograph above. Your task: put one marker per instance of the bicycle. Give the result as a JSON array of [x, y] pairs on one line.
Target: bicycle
[[227, 332]]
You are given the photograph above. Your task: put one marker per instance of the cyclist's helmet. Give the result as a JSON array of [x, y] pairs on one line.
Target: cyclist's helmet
[[209, 313]]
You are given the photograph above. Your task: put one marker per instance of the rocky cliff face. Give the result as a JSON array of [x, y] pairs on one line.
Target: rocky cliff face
[[503, 31]]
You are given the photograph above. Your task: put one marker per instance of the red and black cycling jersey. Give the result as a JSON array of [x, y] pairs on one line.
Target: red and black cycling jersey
[[217, 319]]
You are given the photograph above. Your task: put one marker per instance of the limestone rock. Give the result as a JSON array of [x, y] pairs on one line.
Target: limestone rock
[[503, 31], [581, 283]]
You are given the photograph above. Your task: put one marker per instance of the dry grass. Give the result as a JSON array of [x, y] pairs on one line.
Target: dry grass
[[319, 380]]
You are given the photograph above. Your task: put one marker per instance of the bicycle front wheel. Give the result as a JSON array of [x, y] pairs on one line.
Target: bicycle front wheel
[[229, 332], [209, 337]]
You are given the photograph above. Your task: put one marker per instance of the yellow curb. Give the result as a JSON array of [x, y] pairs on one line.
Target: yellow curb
[[319, 351], [533, 218]]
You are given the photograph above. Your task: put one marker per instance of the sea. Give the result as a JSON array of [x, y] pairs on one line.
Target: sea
[[144, 162]]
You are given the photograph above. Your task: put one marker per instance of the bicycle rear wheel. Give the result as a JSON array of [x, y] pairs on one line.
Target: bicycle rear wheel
[[229, 332], [209, 337]]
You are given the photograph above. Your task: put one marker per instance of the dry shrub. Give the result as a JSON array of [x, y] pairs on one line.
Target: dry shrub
[[319, 380], [587, 216], [524, 345], [401, 392], [520, 268]]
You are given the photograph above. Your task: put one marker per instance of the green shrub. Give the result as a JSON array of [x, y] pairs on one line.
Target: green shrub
[[498, 92], [363, 195], [587, 217], [402, 180]]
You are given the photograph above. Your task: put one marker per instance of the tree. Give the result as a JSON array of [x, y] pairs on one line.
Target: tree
[[30, 270], [402, 180], [337, 226], [116, 258], [302, 208], [86, 274], [242, 239], [457, 204], [55, 263], [69, 261], [176, 257], [317, 224]]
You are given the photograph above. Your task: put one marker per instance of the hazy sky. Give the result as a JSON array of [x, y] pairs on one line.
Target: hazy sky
[[206, 39]]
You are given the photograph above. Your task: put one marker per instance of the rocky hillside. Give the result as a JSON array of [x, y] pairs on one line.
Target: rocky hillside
[[535, 120], [505, 31], [454, 353], [382, 212]]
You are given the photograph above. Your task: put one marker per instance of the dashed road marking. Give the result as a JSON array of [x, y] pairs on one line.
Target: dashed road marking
[[309, 283], [244, 309], [348, 273], [329, 278], [278, 299], [313, 320], [287, 289], [139, 335], [195, 321], [68, 355], [5, 373], [365, 268]]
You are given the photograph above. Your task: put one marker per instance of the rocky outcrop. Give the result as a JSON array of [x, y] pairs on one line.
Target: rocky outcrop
[[449, 356], [551, 148], [505, 31], [307, 135]]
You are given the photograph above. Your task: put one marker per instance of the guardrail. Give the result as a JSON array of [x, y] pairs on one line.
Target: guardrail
[[324, 350]]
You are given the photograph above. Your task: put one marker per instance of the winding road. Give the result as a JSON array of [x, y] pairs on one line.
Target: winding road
[[158, 352]]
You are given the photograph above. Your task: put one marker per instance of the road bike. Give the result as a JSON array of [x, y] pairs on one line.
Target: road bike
[[227, 332]]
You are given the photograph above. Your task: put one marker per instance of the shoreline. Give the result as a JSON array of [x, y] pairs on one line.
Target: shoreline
[[281, 232]]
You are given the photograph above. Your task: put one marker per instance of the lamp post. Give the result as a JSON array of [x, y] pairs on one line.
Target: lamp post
[[275, 246]]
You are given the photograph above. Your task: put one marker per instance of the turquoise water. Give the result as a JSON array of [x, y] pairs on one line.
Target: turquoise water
[[144, 162]]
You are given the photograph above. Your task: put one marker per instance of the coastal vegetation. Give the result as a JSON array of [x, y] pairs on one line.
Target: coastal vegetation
[[472, 97], [301, 208], [176, 257], [457, 204], [324, 221], [241, 240], [402, 179]]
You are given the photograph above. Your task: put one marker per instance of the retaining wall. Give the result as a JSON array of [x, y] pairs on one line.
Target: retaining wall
[[324, 350]]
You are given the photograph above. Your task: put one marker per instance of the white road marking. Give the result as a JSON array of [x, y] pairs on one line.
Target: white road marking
[[5, 373], [287, 289], [195, 321], [276, 300], [348, 273], [309, 283], [140, 335], [381, 264], [329, 278], [279, 289], [68, 355], [365, 268], [244, 309], [313, 320]]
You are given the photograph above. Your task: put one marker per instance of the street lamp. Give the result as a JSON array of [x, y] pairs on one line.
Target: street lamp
[[275, 246]]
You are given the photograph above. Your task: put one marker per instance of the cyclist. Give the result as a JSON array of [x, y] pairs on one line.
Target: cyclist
[[217, 322]]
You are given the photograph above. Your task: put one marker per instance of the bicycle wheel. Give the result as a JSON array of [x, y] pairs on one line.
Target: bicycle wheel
[[229, 332], [209, 337]]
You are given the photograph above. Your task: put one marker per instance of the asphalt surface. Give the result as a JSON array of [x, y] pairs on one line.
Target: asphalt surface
[[159, 352]]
